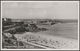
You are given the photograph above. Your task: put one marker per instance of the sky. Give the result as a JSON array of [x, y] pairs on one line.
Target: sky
[[40, 10]]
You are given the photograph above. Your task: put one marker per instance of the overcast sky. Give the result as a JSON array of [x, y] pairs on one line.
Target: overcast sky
[[35, 10]]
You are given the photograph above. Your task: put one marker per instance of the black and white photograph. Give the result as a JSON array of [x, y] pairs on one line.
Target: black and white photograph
[[40, 25]]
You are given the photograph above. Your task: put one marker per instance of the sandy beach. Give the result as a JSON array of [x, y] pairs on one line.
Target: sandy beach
[[53, 41]]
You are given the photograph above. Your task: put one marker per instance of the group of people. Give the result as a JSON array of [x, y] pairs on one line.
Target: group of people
[[41, 41]]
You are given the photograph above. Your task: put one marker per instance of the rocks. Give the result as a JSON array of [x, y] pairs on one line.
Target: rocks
[[33, 28], [8, 35]]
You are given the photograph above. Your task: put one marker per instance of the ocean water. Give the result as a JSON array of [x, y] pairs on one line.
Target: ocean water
[[67, 30]]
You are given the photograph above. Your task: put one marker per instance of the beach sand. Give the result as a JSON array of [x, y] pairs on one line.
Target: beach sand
[[53, 41]]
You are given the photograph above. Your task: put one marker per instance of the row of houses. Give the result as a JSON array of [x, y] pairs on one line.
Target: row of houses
[[29, 21]]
